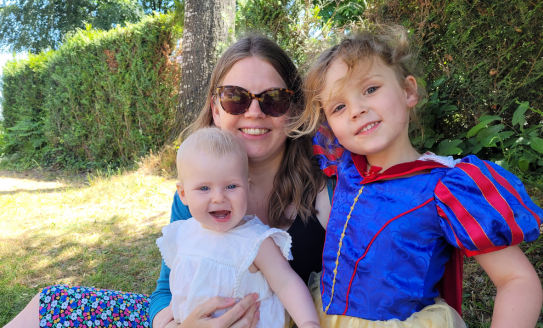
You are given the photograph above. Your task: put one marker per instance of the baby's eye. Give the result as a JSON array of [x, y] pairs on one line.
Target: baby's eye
[[232, 186], [338, 108], [204, 188], [371, 90]]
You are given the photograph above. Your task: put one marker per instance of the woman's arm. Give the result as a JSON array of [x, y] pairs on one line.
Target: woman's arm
[[159, 311], [286, 284], [519, 296]]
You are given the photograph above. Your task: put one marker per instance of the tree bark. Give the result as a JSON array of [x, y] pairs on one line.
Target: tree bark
[[208, 25]]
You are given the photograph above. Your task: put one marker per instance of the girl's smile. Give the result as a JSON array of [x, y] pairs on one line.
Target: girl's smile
[[369, 128]]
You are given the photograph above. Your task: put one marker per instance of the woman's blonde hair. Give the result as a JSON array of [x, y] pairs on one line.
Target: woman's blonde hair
[[298, 180], [389, 43]]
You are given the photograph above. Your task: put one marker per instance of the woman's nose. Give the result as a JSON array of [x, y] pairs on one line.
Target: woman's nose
[[254, 110]]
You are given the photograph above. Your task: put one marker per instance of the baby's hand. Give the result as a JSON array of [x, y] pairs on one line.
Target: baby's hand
[[310, 324]]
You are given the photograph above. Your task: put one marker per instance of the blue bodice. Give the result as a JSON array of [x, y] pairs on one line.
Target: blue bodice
[[403, 226]]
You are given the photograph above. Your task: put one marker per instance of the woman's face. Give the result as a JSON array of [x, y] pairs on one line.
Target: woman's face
[[263, 136]]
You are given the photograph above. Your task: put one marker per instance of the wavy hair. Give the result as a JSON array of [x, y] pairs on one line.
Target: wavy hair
[[389, 43], [299, 179]]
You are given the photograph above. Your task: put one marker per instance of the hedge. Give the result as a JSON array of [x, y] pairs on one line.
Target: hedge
[[103, 98], [483, 65]]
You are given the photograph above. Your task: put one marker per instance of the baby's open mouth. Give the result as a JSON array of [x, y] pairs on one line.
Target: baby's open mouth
[[221, 216]]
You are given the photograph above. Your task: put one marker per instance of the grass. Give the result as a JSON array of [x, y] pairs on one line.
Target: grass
[[99, 230]]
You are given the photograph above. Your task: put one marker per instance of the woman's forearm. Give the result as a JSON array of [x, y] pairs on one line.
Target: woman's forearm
[[518, 303]]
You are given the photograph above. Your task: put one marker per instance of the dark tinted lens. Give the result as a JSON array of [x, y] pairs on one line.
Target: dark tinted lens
[[234, 100], [275, 102]]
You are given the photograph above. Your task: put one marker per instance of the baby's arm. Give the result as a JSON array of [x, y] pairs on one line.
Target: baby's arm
[[519, 295], [287, 285]]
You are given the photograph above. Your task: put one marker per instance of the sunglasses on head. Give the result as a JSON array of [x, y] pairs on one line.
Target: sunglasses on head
[[236, 100]]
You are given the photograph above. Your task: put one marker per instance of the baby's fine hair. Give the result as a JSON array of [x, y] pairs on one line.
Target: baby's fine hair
[[389, 43], [211, 141]]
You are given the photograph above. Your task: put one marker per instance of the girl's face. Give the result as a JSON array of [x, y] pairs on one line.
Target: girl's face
[[263, 136], [368, 113]]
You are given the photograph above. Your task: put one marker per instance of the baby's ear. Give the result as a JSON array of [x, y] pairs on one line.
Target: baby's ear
[[411, 94], [181, 193]]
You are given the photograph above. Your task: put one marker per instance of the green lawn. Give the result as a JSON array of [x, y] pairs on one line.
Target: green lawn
[[73, 230], [100, 231]]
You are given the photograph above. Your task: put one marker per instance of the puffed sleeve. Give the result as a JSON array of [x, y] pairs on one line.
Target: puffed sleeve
[[484, 208], [327, 150]]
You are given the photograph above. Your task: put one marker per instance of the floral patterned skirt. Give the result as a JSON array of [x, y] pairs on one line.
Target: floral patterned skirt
[[65, 306]]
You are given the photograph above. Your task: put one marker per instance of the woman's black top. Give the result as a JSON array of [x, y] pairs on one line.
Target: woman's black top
[[307, 246]]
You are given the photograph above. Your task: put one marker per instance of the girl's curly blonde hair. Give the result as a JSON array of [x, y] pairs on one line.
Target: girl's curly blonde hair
[[389, 43]]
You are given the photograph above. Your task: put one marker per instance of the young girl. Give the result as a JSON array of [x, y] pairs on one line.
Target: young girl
[[395, 212], [221, 250]]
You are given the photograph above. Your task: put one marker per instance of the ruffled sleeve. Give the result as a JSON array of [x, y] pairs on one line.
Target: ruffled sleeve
[[484, 208], [327, 150], [281, 238], [167, 244]]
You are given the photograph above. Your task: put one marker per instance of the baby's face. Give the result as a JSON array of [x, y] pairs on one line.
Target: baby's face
[[215, 190]]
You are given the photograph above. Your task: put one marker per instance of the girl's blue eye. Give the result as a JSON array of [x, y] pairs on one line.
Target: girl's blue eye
[[204, 188], [231, 186], [371, 90], [338, 108]]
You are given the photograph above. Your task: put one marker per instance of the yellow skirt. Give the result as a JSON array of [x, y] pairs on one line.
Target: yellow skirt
[[439, 315]]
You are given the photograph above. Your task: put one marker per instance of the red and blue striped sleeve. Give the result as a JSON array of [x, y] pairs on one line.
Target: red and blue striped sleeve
[[484, 208], [327, 150]]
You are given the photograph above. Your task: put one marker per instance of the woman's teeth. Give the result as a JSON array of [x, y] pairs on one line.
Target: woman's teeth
[[369, 126], [255, 132]]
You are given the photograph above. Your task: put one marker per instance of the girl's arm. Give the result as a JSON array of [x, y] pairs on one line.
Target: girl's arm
[[287, 285], [519, 296]]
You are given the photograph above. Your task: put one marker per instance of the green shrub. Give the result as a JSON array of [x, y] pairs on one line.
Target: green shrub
[[101, 98], [22, 101], [483, 61]]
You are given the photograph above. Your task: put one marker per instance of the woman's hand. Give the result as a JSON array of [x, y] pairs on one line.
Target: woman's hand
[[163, 317], [245, 314]]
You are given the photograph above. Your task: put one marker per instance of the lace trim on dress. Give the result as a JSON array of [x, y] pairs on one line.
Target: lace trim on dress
[[448, 161], [167, 243]]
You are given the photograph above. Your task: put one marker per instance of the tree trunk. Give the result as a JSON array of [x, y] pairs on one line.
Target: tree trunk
[[208, 24]]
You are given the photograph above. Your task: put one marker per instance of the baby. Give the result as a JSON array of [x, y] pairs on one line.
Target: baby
[[221, 251]]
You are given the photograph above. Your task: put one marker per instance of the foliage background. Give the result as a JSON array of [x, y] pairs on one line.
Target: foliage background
[[40, 25], [483, 70], [102, 98], [483, 67]]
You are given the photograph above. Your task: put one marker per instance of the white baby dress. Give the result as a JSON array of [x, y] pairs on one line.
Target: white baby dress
[[205, 263]]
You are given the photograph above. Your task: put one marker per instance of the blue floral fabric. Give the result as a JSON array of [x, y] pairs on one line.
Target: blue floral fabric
[[65, 306]]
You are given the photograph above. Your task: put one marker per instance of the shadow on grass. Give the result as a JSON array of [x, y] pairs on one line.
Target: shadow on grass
[[123, 257], [40, 191], [44, 176]]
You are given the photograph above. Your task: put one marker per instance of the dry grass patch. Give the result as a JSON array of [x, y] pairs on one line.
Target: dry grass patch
[[97, 230]]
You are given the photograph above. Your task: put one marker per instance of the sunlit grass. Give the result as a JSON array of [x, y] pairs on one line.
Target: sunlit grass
[[97, 230]]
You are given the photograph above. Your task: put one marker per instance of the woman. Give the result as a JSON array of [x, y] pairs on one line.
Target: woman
[[287, 190]]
